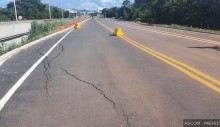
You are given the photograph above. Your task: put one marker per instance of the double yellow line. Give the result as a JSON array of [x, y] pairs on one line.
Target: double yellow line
[[188, 70]]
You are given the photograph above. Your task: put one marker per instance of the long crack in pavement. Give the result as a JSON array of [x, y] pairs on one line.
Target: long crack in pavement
[[102, 93], [46, 73], [62, 50], [46, 65], [93, 85], [48, 76]]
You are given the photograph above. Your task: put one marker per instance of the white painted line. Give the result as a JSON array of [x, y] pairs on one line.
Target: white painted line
[[8, 95], [215, 36], [170, 34], [17, 50], [2, 62]]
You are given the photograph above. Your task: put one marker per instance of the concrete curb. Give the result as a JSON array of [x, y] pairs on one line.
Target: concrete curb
[[17, 50]]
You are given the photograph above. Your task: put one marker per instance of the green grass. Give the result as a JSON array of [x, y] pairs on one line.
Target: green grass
[[194, 29], [180, 27], [38, 30], [11, 47]]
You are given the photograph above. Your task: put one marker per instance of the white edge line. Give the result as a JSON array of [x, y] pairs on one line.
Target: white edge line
[[2, 62], [171, 34], [8, 95], [17, 50]]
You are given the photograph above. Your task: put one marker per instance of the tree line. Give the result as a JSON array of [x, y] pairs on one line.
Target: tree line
[[195, 13], [30, 10]]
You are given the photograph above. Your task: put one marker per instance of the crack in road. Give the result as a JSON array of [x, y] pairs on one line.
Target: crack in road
[[126, 119], [93, 85], [46, 65], [38, 51], [46, 73], [48, 76], [62, 50]]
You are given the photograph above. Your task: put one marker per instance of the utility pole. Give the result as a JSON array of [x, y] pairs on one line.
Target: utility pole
[[16, 15], [105, 12], [49, 9], [62, 7]]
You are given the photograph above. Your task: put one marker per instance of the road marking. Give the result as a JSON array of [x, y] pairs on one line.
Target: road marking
[[188, 70], [8, 95], [2, 62], [169, 33], [215, 36]]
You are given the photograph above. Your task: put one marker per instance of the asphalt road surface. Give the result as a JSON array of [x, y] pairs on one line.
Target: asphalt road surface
[[151, 77]]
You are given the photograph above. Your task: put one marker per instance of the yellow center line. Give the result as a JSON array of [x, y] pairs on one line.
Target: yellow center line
[[180, 63], [174, 63]]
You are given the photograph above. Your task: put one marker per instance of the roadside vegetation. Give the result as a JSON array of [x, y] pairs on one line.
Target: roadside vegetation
[[38, 30], [174, 26], [4, 50], [30, 10], [201, 14]]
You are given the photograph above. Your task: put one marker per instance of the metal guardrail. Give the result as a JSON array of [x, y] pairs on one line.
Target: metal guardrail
[[12, 37], [3, 40], [39, 21]]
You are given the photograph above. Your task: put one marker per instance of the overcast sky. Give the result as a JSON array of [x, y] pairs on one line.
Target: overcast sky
[[78, 4]]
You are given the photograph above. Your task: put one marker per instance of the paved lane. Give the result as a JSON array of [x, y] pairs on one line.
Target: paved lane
[[12, 69], [203, 56], [93, 79], [170, 30]]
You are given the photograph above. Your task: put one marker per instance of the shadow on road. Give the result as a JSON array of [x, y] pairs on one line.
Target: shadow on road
[[217, 48], [111, 35]]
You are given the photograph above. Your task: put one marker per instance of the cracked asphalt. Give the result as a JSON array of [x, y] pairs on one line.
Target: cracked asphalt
[[94, 79]]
